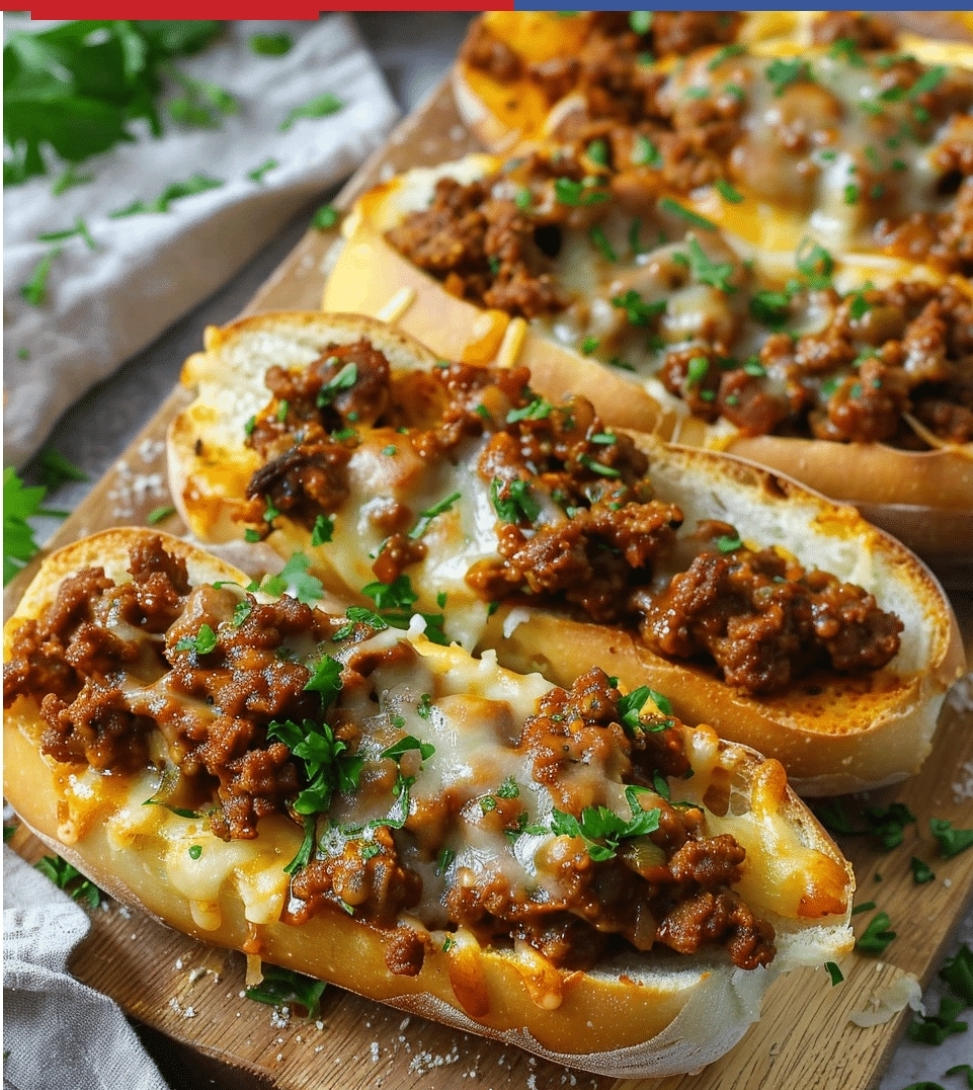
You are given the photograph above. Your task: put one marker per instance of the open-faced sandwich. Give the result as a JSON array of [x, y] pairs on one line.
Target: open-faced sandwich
[[851, 372], [521, 524], [832, 124], [570, 870]]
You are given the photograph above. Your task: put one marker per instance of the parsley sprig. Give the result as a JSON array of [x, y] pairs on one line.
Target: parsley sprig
[[602, 830], [284, 987], [70, 879]]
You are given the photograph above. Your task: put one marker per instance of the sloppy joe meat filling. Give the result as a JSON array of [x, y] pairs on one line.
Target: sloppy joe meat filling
[[781, 129], [556, 830], [577, 522]]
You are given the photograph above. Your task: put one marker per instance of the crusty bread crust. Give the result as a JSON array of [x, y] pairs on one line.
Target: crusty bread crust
[[368, 273], [644, 1015], [848, 733]]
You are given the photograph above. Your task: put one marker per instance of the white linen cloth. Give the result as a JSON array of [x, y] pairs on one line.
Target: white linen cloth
[[103, 306], [58, 1034]]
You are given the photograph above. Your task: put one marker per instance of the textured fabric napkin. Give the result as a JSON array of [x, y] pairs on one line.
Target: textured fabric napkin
[[104, 305], [58, 1034]]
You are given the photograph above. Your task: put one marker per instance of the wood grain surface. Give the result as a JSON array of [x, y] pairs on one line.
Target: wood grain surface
[[193, 993]]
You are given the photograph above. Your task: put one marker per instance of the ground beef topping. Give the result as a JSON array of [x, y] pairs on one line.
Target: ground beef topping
[[236, 688], [578, 525]]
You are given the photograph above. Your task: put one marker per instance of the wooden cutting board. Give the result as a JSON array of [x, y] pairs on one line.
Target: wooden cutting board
[[193, 993]]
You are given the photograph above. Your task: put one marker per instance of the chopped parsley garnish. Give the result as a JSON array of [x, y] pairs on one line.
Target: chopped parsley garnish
[[724, 54], [578, 194], [637, 310], [294, 580], [327, 764], [446, 857], [715, 273], [957, 972], [241, 611], [645, 153], [426, 517], [589, 345], [392, 596], [202, 643], [921, 872], [271, 45], [424, 707], [513, 500], [57, 470], [876, 936], [325, 680], [160, 514], [815, 264], [203, 104], [488, 803], [928, 81], [198, 183], [35, 290], [859, 306], [630, 710], [323, 106], [343, 380], [326, 217], [846, 49], [538, 409], [70, 879], [524, 199], [258, 172], [727, 544], [640, 21], [602, 830], [770, 308], [600, 241], [597, 152], [727, 192], [596, 467], [782, 73], [852, 193], [933, 1029], [195, 851], [696, 371], [19, 504], [509, 789], [79, 230], [284, 987], [394, 602], [834, 972], [951, 841], [667, 204], [323, 531]]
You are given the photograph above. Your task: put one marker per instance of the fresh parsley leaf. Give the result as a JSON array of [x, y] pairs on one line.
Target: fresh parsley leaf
[[523, 200], [177, 191], [271, 45], [951, 841], [637, 310], [597, 467], [19, 504], [888, 823], [284, 987], [325, 680], [326, 217], [876, 936], [600, 241], [602, 829], [645, 153], [640, 21], [70, 879], [343, 380], [323, 106], [957, 972], [294, 580], [160, 514], [579, 194], [770, 308], [714, 273], [921, 872], [537, 409], [258, 173], [327, 764], [202, 643], [963, 1069], [323, 531], [667, 204], [195, 851], [509, 789], [933, 1029], [696, 370], [834, 972], [724, 54], [727, 544], [727, 192], [514, 501], [8, 831], [815, 264], [398, 595], [57, 470], [79, 230], [589, 345], [446, 857], [426, 517], [203, 104], [782, 73], [630, 710], [597, 152], [68, 180], [35, 290], [406, 745]]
